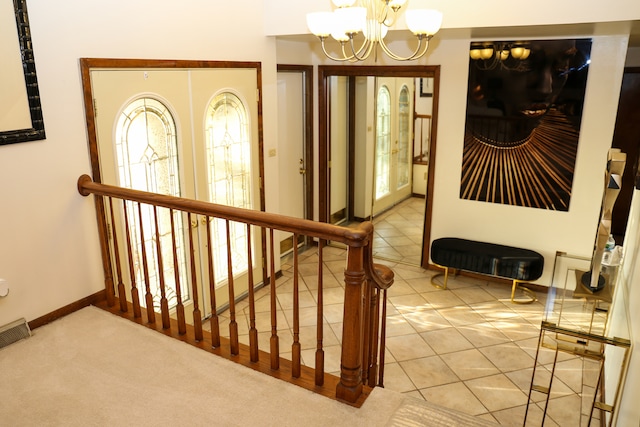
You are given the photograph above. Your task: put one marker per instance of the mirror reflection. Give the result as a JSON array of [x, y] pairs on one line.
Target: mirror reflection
[[379, 138]]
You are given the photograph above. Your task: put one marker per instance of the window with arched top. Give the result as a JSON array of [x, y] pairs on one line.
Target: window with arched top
[[404, 143], [228, 148], [147, 160], [383, 142]]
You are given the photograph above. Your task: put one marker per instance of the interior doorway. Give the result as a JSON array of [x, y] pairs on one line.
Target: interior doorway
[[295, 146], [345, 171]]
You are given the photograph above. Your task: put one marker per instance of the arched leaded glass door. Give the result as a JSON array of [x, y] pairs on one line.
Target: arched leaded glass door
[[228, 145], [197, 137], [383, 144], [227, 155], [146, 152], [394, 136]]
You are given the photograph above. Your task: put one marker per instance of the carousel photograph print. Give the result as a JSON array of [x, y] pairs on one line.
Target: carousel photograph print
[[524, 107]]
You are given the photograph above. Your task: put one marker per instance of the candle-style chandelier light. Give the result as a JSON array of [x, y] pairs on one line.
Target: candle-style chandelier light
[[373, 18], [507, 55]]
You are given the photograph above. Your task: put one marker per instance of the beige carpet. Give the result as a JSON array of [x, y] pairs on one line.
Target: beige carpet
[[95, 369]]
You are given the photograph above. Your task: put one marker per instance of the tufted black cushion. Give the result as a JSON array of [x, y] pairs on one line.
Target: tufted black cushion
[[487, 258]]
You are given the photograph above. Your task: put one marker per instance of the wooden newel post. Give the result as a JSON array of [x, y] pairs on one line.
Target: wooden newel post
[[350, 386]]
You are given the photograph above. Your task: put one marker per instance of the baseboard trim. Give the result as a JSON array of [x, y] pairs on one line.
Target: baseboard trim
[[68, 309]]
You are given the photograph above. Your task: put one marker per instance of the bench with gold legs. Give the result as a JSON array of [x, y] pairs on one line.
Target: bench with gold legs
[[519, 265]]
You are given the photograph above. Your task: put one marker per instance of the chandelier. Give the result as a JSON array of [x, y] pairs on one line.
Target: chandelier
[[507, 55], [373, 18]]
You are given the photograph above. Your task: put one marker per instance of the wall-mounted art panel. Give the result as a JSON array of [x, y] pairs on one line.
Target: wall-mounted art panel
[[524, 107], [20, 108]]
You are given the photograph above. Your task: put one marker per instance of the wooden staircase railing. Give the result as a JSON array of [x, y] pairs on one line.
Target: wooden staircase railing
[[365, 287]]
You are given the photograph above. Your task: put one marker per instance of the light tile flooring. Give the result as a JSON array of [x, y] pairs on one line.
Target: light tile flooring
[[398, 232], [467, 347]]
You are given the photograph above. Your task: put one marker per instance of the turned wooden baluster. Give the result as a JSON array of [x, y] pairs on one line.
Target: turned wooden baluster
[[151, 315], [214, 321], [103, 233], [367, 315], [197, 317], [135, 296], [182, 323], [164, 304], [275, 340], [253, 332], [319, 321], [233, 324], [372, 322], [295, 347], [383, 335], [122, 296]]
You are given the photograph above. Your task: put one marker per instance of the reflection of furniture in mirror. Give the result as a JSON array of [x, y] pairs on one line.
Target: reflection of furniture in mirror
[[593, 280], [347, 134], [20, 110]]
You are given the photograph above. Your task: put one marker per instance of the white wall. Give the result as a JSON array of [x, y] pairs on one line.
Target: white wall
[[49, 251], [544, 231], [287, 17], [629, 277], [537, 229]]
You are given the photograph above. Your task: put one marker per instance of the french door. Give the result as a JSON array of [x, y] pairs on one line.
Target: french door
[[393, 142], [188, 133]]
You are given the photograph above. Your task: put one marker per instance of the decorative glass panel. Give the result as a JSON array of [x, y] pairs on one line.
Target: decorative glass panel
[[404, 116], [146, 151], [229, 174], [383, 142]]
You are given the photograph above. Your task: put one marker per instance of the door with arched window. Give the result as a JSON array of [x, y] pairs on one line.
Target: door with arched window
[[188, 133], [393, 142], [226, 149]]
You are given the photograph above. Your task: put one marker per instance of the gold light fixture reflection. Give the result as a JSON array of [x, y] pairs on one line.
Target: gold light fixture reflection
[[489, 55], [373, 18]]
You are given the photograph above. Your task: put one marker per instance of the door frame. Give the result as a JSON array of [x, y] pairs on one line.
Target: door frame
[[307, 77], [416, 71], [89, 64]]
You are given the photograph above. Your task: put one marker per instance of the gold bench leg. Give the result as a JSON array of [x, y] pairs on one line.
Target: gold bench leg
[[446, 277], [528, 293]]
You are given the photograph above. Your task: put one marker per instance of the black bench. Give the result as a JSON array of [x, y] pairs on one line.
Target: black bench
[[519, 265]]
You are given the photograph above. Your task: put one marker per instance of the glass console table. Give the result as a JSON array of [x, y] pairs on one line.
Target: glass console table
[[583, 350]]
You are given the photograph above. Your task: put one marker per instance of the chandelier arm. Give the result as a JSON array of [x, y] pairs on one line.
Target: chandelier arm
[[345, 57], [366, 47], [420, 50]]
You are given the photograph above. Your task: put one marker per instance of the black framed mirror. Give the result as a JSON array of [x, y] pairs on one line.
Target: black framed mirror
[[20, 110]]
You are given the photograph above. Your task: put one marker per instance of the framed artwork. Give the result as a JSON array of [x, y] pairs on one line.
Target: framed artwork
[[426, 87], [524, 108], [20, 109]]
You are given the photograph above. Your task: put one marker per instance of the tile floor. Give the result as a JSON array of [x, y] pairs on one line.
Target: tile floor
[[467, 347], [398, 232]]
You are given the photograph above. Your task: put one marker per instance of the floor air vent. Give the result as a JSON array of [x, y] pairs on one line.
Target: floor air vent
[[14, 331]]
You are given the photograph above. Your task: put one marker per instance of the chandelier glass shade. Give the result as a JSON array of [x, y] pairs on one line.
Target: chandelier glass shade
[[372, 18], [490, 55]]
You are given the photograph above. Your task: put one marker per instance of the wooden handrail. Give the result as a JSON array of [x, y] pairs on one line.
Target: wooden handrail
[[358, 236], [363, 322]]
